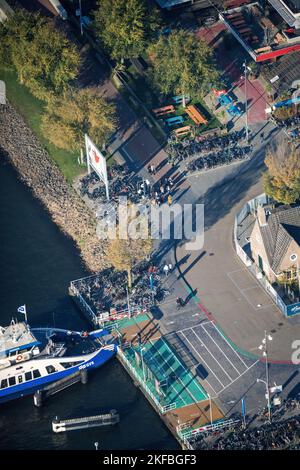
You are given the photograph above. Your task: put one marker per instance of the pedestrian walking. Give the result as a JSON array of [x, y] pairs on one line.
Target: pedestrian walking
[[179, 302], [166, 269], [170, 181], [170, 200], [153, 170], [162, 189], [148, 185], [170, 267]]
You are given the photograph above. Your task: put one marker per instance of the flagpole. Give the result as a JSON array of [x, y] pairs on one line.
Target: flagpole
[[22, 309], [87, 153]]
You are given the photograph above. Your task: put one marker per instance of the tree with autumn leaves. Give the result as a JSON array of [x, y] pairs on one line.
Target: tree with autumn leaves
[[78, 112], [124, 250], [282, 179], [47, 63], [44, 59], [183, 64], [125, 27]]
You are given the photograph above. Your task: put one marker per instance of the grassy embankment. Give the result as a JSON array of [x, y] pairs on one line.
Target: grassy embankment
[[31, 109]]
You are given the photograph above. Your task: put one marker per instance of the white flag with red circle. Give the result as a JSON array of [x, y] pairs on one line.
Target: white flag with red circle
[[97, 161]]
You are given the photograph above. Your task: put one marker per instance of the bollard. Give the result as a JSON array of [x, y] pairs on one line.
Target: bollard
[[38, 398]]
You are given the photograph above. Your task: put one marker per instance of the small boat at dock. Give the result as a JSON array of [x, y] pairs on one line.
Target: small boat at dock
[[108, 419]]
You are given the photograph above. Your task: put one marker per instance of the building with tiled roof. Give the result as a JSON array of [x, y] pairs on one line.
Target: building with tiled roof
[[275, 242]]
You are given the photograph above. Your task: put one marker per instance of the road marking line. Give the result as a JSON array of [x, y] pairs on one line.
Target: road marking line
[[189, 327], [221, 367], [239, 376], [221, 350], [249, 288], [241, 291], [230, 346], [202, 359], [237, 271]]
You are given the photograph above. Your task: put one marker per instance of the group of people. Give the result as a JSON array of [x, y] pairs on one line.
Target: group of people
[[157, 195], [162, 193]]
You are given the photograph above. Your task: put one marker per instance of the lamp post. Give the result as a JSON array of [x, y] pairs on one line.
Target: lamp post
[[128, 302], [246, 101], [210, 409], [298, 276], [80, 18], [264, 347], [143, 365]]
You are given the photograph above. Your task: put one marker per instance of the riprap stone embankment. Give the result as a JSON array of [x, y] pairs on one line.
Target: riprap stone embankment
[[40, 173]]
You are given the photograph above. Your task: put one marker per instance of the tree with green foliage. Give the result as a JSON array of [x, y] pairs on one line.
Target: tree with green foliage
[[282, 180], [125, 27], [182, 64], [44, 59], [77, 112]]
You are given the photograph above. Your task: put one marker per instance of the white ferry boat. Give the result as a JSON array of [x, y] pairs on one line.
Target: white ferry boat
[[32, 358]]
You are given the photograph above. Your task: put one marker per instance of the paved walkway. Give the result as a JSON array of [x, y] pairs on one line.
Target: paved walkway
[[226, 291], [230, 62], [132, 141]]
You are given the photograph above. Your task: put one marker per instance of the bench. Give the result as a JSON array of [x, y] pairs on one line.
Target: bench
[[262, 49], [164, 110], [239, 24], [244, 30], [234, 15], [182, 131], [178, 99], [194, 114], [224, 100], [254, 40], [238, 21], [235, 3], [233, 110], [174, 120]]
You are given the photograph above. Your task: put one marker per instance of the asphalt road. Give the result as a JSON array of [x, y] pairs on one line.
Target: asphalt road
[[222, 284], [218, 331]]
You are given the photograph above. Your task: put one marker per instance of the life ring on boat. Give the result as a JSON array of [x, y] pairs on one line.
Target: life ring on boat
[[19, 358]]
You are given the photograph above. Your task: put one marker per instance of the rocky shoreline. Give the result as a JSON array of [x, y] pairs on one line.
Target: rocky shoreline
[[37, 170]]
